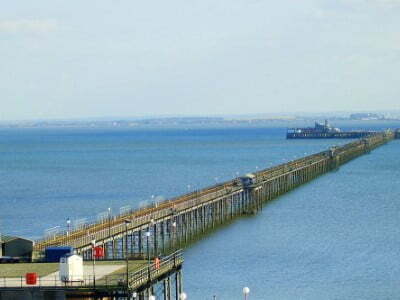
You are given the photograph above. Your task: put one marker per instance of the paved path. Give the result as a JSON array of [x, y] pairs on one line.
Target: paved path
[[53, 279]]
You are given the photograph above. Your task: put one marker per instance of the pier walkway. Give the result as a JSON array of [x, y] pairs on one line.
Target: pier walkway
[[171, 224], [105, 282]]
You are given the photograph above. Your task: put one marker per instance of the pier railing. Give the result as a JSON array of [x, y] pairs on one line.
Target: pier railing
[[156, 270], [137, 279], [270, 183]]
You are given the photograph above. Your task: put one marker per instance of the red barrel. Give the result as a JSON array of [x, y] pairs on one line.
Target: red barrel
[[98, 252], [31, 278]]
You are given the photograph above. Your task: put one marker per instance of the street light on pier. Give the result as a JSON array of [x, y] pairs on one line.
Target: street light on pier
[[68, 226], [109, 223], [94, 262], [127, 222], [246, 292], [174, 232], [148, 250]]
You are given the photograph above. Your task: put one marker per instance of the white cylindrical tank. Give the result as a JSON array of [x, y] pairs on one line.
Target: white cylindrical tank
[[71, 268]]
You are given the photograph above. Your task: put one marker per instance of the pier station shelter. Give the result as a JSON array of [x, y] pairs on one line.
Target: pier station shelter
[[15, 246]]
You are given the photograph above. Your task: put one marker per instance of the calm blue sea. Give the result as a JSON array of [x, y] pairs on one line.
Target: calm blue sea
[[335, 238]]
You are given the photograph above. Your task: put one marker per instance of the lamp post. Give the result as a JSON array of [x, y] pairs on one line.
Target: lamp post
[[173, 233], [152, 297], [94, 262], [126, 253], [134, 295], [246, 292], [182, 296], [68, 226], [148, 251], [109, 221]]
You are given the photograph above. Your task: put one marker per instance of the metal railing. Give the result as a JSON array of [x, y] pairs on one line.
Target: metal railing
[[106, 229], [114, 281], [155, 270]]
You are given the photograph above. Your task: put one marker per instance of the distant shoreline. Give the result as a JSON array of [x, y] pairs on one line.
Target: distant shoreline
[[190, 123]]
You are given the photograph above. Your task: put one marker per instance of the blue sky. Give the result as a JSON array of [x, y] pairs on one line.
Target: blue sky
[[73, 59]]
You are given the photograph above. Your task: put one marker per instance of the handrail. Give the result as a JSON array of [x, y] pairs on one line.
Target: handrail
[[152, 271], [105, 229]]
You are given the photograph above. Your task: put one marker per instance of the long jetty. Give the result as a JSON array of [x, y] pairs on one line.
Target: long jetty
[[170, 224], [328, 135]]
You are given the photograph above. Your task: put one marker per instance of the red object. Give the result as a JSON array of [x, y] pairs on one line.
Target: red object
[[98, 252], [31, 278], [157, 263]]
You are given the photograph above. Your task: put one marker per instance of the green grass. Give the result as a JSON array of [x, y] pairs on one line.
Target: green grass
[[43, 269], [20, 269]]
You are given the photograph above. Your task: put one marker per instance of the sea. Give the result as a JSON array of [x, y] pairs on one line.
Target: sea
[[337, 237]]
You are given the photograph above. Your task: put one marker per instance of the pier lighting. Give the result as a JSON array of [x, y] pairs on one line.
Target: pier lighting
[[173, 233], [94, 262], [134, 295], [109, 221], [148, 251], [127, 222], [152, 297], [182, 296], [246, 292], [68, 225]]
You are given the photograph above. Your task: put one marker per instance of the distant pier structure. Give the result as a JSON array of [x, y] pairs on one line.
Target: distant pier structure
[[325, 131]]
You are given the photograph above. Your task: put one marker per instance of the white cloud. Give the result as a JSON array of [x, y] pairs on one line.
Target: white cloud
[[387, 2], [28, 26]]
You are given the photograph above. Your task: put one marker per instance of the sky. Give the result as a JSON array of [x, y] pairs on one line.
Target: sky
[[95, 58]]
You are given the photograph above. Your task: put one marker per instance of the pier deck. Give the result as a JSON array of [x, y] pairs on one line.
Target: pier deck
[[172, 223], [108, 280]]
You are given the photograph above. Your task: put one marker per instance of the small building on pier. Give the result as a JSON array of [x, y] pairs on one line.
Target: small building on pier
[[15, 246], [248, 180]]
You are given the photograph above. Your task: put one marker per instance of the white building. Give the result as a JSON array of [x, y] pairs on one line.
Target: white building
[[71, 268]]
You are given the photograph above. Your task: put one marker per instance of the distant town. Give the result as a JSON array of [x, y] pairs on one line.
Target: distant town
[[183, 121]]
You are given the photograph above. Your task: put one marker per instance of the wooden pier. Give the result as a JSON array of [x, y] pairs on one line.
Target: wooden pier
[[173, 223]]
